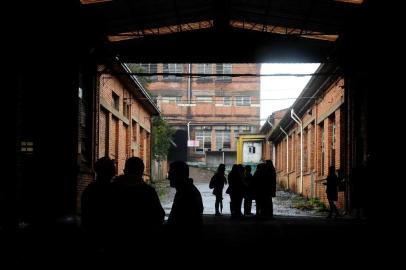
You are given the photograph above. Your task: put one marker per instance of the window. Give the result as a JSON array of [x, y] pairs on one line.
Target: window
[[291, 152], [333, 141], [241, 129], [227, 101], [223, 139], [126, 107], [204, 138], [242, 101], [27, 147], [115, 101], [134, 133], [223, 69], [172, 68], [311, 146], [251, 149], [305, 150], [150, 68], [323, 149], [176, 100], [204, 69], [204, 99]]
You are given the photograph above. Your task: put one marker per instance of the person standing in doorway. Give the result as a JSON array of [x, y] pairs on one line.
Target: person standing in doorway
[[332, 191]]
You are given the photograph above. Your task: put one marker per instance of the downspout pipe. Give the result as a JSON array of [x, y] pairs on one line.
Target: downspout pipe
[[299, 122], [188, 140], [188, 130], [189, 84], [287, 149], [273, 146]]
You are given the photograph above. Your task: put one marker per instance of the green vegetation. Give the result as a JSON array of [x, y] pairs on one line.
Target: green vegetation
[[162, 135], [303, 203], [144, 80], [136, 68], [162, 187]]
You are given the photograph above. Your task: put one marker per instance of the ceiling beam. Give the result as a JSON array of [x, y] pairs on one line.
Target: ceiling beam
[[212, 46]]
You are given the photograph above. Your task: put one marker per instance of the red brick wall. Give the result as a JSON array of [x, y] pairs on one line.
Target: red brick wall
[[103, 124], [321, 114], [115, 135], [209, 114], [116, 130]]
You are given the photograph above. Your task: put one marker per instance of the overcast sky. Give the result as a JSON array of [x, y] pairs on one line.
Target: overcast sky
[[279, 92]]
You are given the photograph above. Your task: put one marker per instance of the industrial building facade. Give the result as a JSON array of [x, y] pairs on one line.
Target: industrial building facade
[[304, 149], [208, 109], [122, 123]]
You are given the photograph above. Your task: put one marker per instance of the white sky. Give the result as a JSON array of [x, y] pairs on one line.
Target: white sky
[[280, 92]]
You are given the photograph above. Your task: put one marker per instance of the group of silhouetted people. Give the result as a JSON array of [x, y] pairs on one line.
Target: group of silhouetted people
[[126, 208], [243, 186]]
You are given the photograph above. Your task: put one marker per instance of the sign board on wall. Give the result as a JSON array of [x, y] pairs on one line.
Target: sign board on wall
[[193, 143]]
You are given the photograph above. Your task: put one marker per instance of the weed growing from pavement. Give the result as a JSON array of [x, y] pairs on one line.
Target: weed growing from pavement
[[303, 203]]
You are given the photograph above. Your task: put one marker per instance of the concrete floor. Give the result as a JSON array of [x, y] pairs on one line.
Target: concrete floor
[[290, 239], [282, 202]]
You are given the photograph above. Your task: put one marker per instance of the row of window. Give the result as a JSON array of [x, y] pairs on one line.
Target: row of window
[[223, 141], [207, 69], [223, 137], [115, 103], [226, 101], [326, 140]]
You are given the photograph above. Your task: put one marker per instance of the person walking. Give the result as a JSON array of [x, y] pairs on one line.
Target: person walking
[[217, 183]]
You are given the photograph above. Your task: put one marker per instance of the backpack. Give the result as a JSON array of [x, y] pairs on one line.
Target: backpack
[[212, 182]]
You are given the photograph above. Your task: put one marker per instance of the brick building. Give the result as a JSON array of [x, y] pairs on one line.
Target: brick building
[[123, 116], [212, 110], [266, 128], [322, 118]]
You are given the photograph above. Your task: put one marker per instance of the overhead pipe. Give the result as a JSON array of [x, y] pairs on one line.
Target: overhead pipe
[[296, 118]]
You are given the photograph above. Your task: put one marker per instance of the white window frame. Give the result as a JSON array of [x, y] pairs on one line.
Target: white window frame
[[223, 136], [172, 99], [243, 101], [172, 68], [202, 136], [225, 69], [227, 101]]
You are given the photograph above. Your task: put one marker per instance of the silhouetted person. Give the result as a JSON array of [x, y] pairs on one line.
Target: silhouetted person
[[236, 190], [248, 193], [264, 185], [187, 207], [96, 205], [272, 182], [96, 198], [136, 204], [332, 191], [217, 183]]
